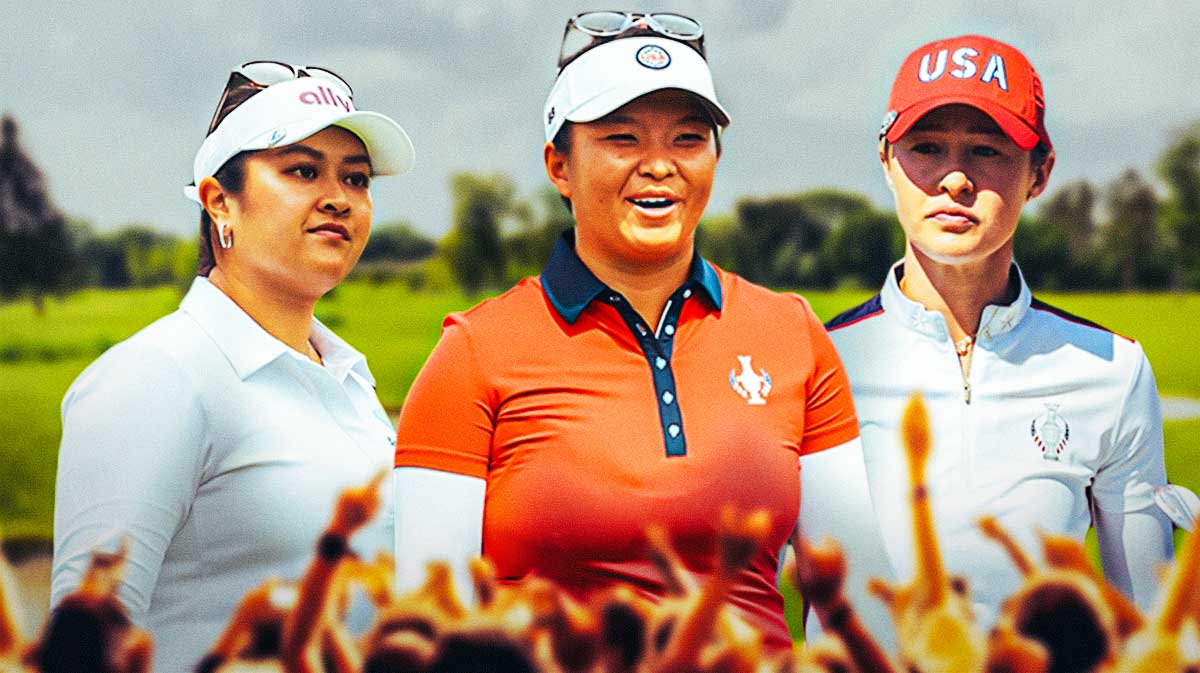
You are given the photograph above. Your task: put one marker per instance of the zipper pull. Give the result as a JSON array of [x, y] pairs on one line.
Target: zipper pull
[[967, 392]]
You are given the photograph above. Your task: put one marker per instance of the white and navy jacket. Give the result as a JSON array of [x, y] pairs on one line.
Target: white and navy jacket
[[1057, 415]]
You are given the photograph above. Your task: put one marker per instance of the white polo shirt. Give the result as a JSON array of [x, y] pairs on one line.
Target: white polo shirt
[[1058, 410], [219, 451]]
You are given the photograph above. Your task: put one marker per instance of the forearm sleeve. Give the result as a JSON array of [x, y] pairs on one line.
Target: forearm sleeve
[[439, 516]]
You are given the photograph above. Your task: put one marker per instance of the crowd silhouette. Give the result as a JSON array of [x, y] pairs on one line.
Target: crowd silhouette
[[1064, 618]]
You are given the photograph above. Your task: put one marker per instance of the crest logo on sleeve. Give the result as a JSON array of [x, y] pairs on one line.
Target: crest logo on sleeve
[[654, 57], [1050, 432], [754, 387]]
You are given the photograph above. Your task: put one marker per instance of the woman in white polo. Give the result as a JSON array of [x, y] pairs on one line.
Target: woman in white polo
[[216, 439]]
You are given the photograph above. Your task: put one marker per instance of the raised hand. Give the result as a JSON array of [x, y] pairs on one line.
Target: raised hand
[[262, 609], [304, 633], [1067, 553], [1168, 641], [1010, 652], [357, 505], [820, 573], [932, 613], [91, 625], [1063, 609], [740, 538]]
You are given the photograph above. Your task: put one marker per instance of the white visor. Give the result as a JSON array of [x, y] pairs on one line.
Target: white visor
[[291, 111], [606, 77]]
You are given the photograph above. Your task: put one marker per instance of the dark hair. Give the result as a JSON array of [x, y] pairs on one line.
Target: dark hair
[[1039, 154], [562, 145], [232, 176]]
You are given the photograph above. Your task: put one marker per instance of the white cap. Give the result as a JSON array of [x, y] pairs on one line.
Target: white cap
[[606, 77], [291, 111]]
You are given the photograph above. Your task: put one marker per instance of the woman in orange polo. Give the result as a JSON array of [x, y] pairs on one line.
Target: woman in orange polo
[[632, 382]]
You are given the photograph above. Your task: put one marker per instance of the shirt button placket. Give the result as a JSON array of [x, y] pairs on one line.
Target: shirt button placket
[[658, 355], [664, 382]]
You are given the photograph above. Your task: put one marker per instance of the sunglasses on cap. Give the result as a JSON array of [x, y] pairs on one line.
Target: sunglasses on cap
[[592, 29], [254, 76]]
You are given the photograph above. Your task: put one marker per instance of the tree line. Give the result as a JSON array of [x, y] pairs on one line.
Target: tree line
[[1122, 235], [1126, 234]]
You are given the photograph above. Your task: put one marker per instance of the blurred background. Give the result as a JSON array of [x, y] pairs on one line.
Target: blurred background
[[104, 107]]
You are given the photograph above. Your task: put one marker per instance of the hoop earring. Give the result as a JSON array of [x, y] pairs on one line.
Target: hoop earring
[[226, 243]]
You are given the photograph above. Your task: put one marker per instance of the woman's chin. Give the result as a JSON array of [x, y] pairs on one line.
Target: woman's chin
[[316, 281], [656, 242]]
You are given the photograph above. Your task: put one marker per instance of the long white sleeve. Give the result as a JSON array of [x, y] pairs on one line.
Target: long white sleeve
[[129, 464], [1133, 545], [1134, 534], [439, 516], [835, 501]]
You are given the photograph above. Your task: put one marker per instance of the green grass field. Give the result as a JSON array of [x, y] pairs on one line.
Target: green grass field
[[41, 355]]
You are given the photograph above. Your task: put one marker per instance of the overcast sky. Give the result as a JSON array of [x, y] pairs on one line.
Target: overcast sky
[[113, 99]]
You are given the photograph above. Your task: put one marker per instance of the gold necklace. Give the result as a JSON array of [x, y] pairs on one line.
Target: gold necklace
[[963, 345]]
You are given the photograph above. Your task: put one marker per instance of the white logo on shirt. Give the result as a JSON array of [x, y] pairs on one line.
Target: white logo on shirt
[[1050, 432], [753, 386]]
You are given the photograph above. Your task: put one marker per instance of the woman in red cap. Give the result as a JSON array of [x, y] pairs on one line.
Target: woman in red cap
[[633, 382], [1040, 418], [216, 439]]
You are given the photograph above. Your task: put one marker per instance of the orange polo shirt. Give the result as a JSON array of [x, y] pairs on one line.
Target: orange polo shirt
[[589, 423]]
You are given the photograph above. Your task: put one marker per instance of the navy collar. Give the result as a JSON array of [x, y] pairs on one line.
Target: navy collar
[[571, 286]]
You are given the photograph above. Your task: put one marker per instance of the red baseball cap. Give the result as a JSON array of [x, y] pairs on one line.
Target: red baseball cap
[[972, 70]]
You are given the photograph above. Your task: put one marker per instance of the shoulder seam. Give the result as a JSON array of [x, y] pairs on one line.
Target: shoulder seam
[[489, 301], [868, 309], [1039, 305]]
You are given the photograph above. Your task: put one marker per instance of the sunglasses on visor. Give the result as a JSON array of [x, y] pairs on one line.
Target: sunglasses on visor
[[592, 29], [254, 76]]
